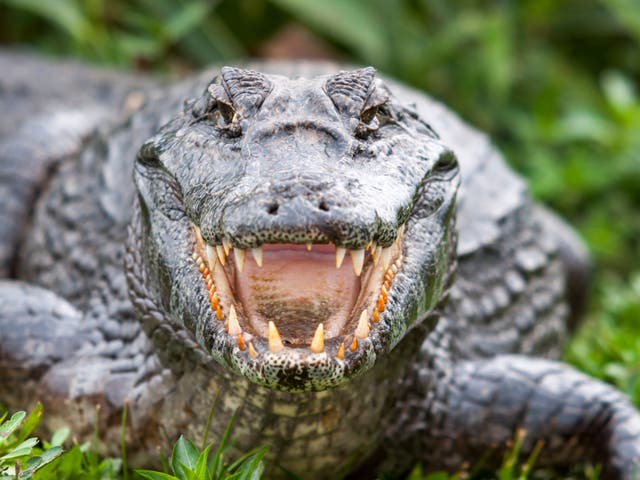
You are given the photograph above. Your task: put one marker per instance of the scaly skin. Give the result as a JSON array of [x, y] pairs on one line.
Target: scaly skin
[[444, 377]]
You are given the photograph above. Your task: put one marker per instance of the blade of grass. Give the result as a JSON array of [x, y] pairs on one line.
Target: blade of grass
[[123, 442]]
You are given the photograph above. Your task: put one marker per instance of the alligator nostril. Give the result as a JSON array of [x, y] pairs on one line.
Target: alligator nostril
[[273, 209], [323, 206]]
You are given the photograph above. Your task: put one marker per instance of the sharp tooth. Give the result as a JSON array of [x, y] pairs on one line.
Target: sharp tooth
[[362, 330], [198, 234], [340, 252], [317, 344], [357, 258], [340, 354], [385, 257], [378, 252], [257, 255], [374, 251], [401, 230], [234, 326], [212, 257], [252, 351], [239, 254], [309, 245], [354, 345], [275, 342], [226, 244], [221, 254]]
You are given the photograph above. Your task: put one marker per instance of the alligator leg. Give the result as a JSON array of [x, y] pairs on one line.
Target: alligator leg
[[473, 415], [51, 352], [575, 258]]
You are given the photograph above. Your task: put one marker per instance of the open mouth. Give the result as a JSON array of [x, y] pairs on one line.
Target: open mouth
[[308, 298]]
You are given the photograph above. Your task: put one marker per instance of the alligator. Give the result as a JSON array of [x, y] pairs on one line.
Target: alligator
[[334, 258]]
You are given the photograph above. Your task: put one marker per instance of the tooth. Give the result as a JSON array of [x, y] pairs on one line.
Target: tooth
[[354, 345], [374, 250], [340, 253], [340, 354], [401, 230], [385, 257], [380, 303], [198, 234], [226, 244], [378, 252], [357, 258], [362, 330], [234, 326], [275, 342], [239, 254], [309, 245], [195, 256], [221, 254], [241, 344], [252, 350], [212, 257], [257, 255], [317, 344]]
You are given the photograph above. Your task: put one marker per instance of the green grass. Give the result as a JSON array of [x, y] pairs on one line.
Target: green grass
[[555, 84], [25, 457]]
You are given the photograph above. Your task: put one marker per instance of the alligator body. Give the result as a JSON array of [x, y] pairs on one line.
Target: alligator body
[[338, 259]]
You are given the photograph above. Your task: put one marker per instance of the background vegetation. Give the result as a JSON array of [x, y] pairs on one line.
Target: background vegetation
[[554, 82]]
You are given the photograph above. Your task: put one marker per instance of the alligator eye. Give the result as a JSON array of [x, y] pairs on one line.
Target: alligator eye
[[446, 163], [226, 113], [369, 122], [368, 115]]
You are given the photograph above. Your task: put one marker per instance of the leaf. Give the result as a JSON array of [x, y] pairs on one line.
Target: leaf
[[31, 422], [35, 463], [60, 436], [201, 465], [151, 475], [184, 457], [215, 463], [17, 453], [69, 465], [8, 427], [253, 468]]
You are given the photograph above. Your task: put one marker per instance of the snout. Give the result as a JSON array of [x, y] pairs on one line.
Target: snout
[[298, 213]]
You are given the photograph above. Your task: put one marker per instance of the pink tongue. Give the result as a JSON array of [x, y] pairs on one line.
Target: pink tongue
[[297, 289]]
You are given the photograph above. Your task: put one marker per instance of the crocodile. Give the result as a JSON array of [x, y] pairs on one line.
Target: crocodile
[[336, 259]]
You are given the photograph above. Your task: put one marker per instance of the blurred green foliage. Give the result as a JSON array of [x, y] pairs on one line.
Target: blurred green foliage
[[554, 83]]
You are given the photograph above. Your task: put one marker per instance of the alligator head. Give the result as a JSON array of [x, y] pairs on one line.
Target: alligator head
[[251, 202]]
